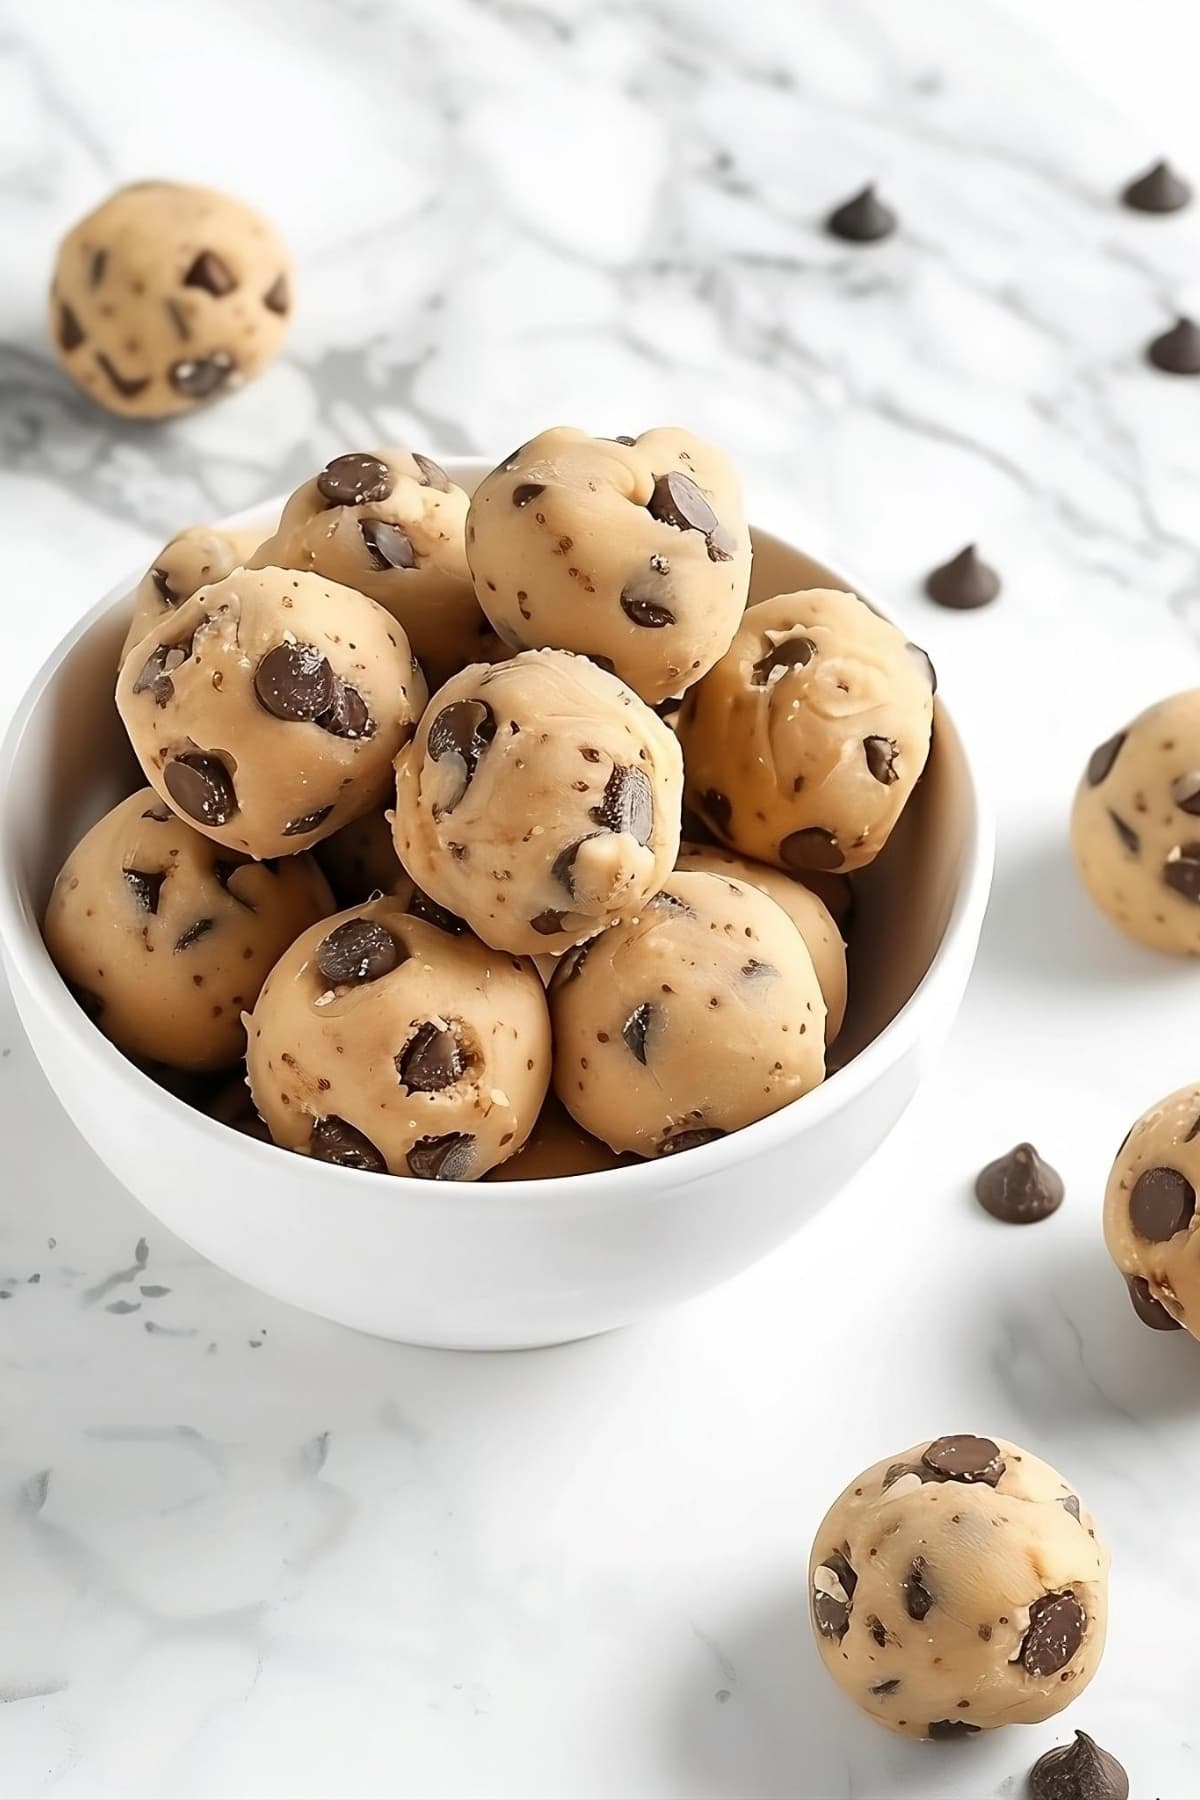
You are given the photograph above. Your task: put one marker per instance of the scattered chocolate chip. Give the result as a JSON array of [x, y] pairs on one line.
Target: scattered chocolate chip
[[649, 614], [144, 887], [354, 480], [154, 677], [96, 267], [863, 219], [309, 822], [347, 715], [1181, 871], [387, 546], [194, 932], [1078, 1771], [678, 501], [881, 754], [1101, 760], [525, 491], [636, 1028], [548, 923], [627, 441], [924, 658], [160, 814], [1149, 1309], [294, 682], [1019, 1188], [964, 582], [202, 787], [278, 296], [1128, 836], [1070, 1504], [462, 731], [1162, 1202], [812, 848], [1057, 1623], [717, 809], [422, 907], [918, 1601], [793, 653], [628, 803], [950, 1728], [357, 951], [689, 1140], [70, 331], [881, 1689], [1185, 792], [198, 377], [964, 1459], [433, 474], [1160, 189], [834, 1582], [333, 1140], [431, 1060], [212, 274], [1177, 351], [570, 964], [129, 386], [879, 1631], [445, 1158]]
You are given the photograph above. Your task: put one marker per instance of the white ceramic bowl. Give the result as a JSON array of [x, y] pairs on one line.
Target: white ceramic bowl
[[493, 1265]]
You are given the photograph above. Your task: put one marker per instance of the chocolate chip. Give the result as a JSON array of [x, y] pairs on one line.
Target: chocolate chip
[[160, 814], [1149, 1309], [525, 491], [941, 1729], [1181, 871], [831, 1610], [144, 886], [635, 1029], [722, 545], [200, 928], [863, 219], [569, 965], [129, 386], [357, 951], [294, 682], [1070, 1504], [387, 546], [347, 715], [431, 1060], [1019, 1188], [881, 754], [1057, 1623], [756, 970], [335, 1141], [309, 822], [1162, 1202], [154, 677], [678, 501], [202, 787], [1177, 351], [433, 473], [881, 1689], [1161, 189], [445, 1158], [278, 296], [548, 923], [918, 1601], [793, 653], [354, 480], [199, 376], [717, 809], [1185, 792], [70, 331], [690, 1140], [923, 657], [964, 1458], [879, 1631], [812, 848], [212, 274], [627, 441], [1078, 1771], [422, 907], [649, 614], [1128, 836], [964, 582], [462, 731], [628, 803]]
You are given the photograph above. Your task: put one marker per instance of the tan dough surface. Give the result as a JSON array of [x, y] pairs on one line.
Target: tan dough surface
[[168, 937], [557, 1147], [567, 553], [404, 546], [436, 1067], [699, 1015], [1150, 1222], [539, 800], [194, 558], [804, 908], [167, 296], [252, 780], [945, 1607], [1135, 826], [804, 743]]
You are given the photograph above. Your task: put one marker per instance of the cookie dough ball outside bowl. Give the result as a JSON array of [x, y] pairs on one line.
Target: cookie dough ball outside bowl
[[268, 708], [539, 801], [383, 1043], [167, 296], [167, 938], [805, 742], [958, 1587], [193, 559], [633, 551], [1150, 1221]]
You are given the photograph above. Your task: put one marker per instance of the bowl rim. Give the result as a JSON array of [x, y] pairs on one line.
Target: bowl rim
[[26, 953]]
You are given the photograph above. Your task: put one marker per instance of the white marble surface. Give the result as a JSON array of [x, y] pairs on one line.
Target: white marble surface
[[246, 1554]]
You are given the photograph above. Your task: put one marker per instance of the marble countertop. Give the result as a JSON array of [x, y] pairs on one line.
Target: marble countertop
[[244, 1553]]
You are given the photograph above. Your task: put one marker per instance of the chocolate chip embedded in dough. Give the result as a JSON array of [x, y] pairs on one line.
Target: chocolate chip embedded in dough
[[278, 297], [294, 682], [356, 479], [210, 272], [964, 1458], [309, 822], [628, 803], [1101, 760], [333, 1140], [200, 928], [811, 848], [881, 754], [202, 787], [144, 885], [1162, 1202], [387, 546], [199, 377], [432, 1060], [432, 474], [780, 659], [636, 1029], [462, 732], [1181, 871], [834, 1582], [677, 500], [358, 951], [445, 1158], [1057, 1623]]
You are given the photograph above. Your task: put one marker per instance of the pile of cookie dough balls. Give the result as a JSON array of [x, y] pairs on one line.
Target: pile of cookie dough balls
[[441, 713]]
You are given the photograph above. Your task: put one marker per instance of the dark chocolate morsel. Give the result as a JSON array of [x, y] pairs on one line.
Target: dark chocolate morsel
[[1057, 1623], [346, 715], [793, 653], [918, 1600], [96, 267], [70, 331], [964, 582], [1019, 1188], [278, 296], [198, 377], [635, 1029], [432, 474], [1177, 351], [1128, 836], [294, 682], [678, 501], [1070, 1504], [387, 546], [1078, 1771], [627, 441], [628, 803], [1181, 871], [964, 1458], [1148, 1308], [689, 1140], [1185, 792], [309, 822], [202, 787], [446, 1158], [1159, 189], [881, 754], [863, 219], [212, 273], [1101, 760], [649, 614], [831, 1614], [722, 545], [570, 964], [354, 480], [431, 1060], [548, 923], [200, 928], [462, 731], [525, 491], [159, 813], [421, 906], [154, 677], [1162, 1202], [335, 1141], [926, 661], [358, 950], [144, 885], [812, 848]]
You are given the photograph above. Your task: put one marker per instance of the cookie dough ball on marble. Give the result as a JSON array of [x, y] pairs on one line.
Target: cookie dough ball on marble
[[697, 1016], [360, 860], [958, 1587], [1150, 1222], [634, 551], [1135, 826], [392, 524], [558, 1147], [381, 1042], [804, 908], [192, 559], [539, 800], [167, 939], [167, 296], [267, 709], [805, 742]]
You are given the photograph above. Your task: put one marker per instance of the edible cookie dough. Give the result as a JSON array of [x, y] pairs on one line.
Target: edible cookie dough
[[382, 1043], [805, 909], [166, 938], [699, 1015], [1135, 826], [804, 743], [168, 295], [391, 524], [634, 551], [958, 1587], [1150, 1223], [267, 709], [539, 800], [556, 1147], [202, 554]]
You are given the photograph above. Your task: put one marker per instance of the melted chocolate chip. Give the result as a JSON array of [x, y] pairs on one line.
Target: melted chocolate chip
[[1057, 1623], [1149, 1309], [635, 1029], [964, 582], [278, 296], [1160, 189], [964, 1458], [525, 491], [812, 848], [144, 886], [881, 754], [200, 928], [1177, 351], [422, 907], [1019, 1188], [1181, 871], [294, 682], [717, 809], [354, 480], [160, 814], [689, 1140], [154, 677], [1101, 760], [918, 1601], [548, 923], [432, 474], [1128, 836], [1162, 1202], [831, 1613], [649, 614], [212, 274], [628, 803], [462, 732], [347, 715], [1078, 1771], [198, 377], [569, 965], [387, 546], [1185, 792], [863, 219], [359, 950], [202, 787], [627, 441], [70, 331], [445, 1158], [941, 1729], [309, 822], [678, 501], [333, 1140], [793, 653], [431, 1060], [881, 1689], [128, 386]]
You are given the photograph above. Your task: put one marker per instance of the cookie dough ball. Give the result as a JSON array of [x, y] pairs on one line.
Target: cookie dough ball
[[697, 1016], [539, 800], [166, 938], [804, 743], [391, 524], [557, 1147], [360, 860], [267, 709], [634, 551], [804, 908], [1135, 826], [1150, 1222], [167, 296], [192, 559], [382, 1043], [958, 1587]]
